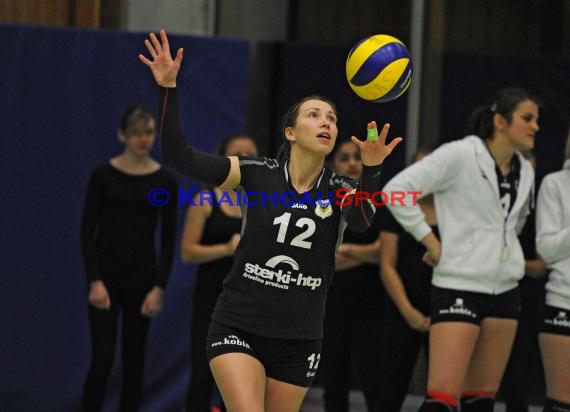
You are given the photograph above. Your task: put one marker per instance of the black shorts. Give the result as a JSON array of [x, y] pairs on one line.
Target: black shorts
[[556, 321], [293, 361], [449, 305]]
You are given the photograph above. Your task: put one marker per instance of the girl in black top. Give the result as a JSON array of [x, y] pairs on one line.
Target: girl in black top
[[553, 245], [525, 354], [354, 304], [211, 235], [117, 238], [407, 280], [264, 340]]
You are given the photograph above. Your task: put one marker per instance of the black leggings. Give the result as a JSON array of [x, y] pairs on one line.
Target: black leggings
[[525, 361], [400, 347], [103, 325], [352, 330]]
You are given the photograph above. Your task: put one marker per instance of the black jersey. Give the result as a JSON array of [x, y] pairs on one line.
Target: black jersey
[[285, 260], [508, 185], [360, 286], [218, 228], [414, 273], [282, 267]]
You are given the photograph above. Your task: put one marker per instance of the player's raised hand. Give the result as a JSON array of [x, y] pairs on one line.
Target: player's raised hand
[[374, 150], [163, 68]]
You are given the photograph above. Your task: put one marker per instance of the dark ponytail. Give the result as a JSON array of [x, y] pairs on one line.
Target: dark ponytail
[[505, 103], [284, 152]]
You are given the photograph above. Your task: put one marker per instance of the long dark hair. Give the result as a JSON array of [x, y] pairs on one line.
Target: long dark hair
[[290, 120], [340, 141], [505, 103]]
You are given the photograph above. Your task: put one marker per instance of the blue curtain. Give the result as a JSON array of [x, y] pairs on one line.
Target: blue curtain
[[62, 94]]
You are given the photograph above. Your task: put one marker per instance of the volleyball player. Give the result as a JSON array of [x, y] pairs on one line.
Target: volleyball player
[[264, 342], [553, 244], [525, 353], [482, 187], [353, 319], [406, 318]]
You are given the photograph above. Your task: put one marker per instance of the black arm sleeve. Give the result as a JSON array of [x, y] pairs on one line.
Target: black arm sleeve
[[89, 226], [203, 166], [359, 217], [168, 234]]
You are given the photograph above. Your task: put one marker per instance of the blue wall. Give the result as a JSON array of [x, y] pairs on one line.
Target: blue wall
[[62, 94]]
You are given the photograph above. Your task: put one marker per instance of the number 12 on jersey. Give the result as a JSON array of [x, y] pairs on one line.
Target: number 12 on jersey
[[301, 240]]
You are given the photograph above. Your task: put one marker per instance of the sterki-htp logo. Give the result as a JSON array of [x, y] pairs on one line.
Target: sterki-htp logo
[[287, 275]]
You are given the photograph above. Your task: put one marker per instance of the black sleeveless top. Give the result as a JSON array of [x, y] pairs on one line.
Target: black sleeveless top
[[284, 263], [360, 285], [219, 228]]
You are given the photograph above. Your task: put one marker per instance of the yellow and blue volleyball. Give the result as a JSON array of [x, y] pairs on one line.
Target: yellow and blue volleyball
[[379, 68]]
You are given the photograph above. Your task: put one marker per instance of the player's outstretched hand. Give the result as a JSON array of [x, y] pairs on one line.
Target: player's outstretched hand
[[374, 152], [163, 68]]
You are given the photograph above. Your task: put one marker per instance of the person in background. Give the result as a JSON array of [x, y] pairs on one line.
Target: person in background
[[118, 231], [482, 192], [407, 280], [354, 304], [211, 235], [553, 245], [525, 352]]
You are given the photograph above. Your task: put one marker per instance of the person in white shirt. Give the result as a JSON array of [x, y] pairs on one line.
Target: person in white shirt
[[482, 191], [553, 244]]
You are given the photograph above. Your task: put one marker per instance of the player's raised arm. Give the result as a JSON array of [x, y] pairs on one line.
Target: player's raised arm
[[217, 170]]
